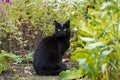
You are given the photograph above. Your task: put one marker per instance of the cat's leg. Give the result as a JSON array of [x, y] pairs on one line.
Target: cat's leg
[[63, 67], [47, 73], [54, 71]]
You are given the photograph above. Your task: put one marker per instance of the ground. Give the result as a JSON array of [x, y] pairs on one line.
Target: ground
[[26, 72]]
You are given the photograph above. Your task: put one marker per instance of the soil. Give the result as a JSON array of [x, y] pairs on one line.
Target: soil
[[26, 72]]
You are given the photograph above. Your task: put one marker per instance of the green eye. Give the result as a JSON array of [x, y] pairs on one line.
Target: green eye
[[64, 29], [58, 29]]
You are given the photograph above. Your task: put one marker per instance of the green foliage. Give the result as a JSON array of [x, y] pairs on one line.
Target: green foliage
[[6, 59], [28, 58], [95, 39], [71, 74], [97, 43]]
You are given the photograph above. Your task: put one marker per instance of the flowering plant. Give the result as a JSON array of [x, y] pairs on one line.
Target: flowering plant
[[8, 1]]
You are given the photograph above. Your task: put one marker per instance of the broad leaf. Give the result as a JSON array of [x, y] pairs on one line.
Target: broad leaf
[[94, 45], [87, 39]]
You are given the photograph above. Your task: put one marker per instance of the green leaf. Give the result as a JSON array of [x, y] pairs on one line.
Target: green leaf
[[81, 61], [18, 59], [94, 45], [104, 67], [87, 39], [71, 74], [1, 68], [104, 5], [119, 27], [106, 52]]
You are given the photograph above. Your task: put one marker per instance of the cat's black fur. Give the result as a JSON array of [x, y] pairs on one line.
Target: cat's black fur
[[49, 52]]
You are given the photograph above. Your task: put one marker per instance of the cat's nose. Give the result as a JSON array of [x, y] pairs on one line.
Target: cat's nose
[[62, 33]]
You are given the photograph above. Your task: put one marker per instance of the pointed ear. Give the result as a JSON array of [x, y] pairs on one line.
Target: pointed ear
[[56, 23], [67, 23]]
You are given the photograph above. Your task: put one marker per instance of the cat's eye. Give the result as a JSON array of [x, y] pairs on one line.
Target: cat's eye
[[58, 29], [64, 29]]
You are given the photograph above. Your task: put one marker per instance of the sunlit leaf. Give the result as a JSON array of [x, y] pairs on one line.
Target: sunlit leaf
[[71, 74], [119, 27], [106, 52], [87, 39], [94, 45], [81, 61], [104, 5], [104, 67]]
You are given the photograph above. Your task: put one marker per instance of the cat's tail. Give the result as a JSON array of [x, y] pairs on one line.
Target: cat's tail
[[52, 72]]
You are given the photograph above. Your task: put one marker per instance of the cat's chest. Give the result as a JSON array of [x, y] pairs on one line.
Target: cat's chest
[[63, 46]]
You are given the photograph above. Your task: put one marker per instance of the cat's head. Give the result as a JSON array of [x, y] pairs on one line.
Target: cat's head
[[62, 29]]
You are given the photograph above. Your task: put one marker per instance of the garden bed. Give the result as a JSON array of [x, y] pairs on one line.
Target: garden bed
[[26, 72]]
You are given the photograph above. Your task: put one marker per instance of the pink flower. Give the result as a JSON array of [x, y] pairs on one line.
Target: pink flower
[[8, 1]]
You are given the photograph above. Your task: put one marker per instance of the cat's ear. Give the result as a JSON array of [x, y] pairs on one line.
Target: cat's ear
[[56, 23], [67, 24]]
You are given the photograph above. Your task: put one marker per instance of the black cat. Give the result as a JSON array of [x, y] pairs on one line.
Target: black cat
[[49, 52]]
